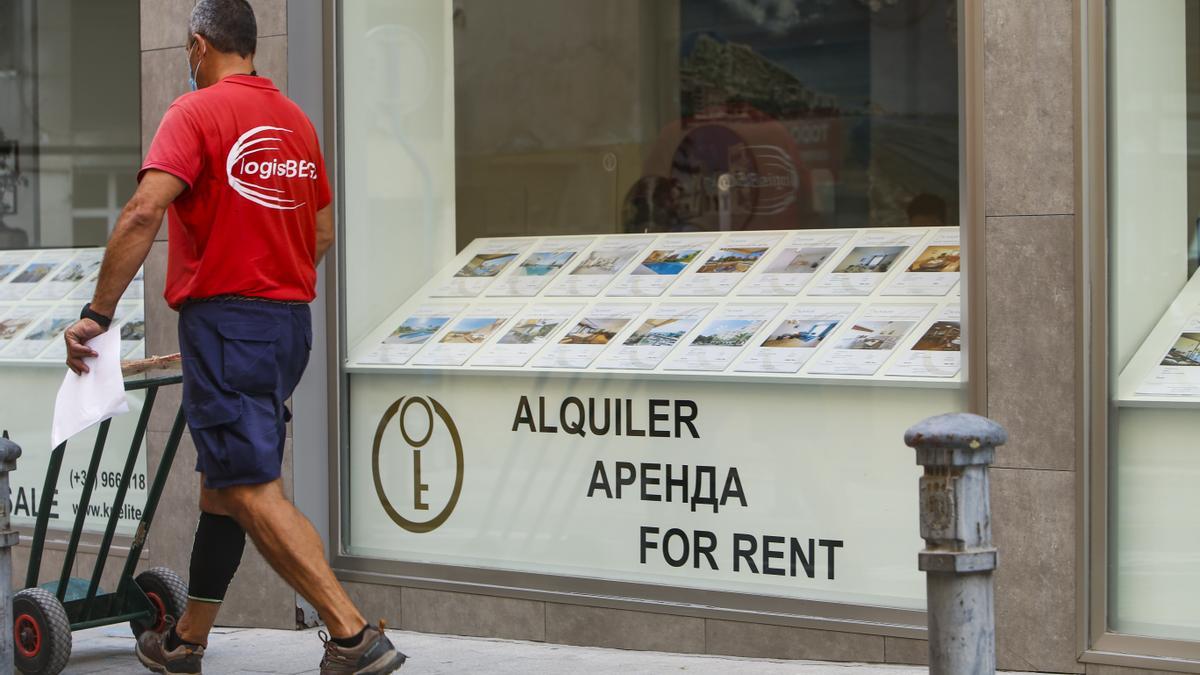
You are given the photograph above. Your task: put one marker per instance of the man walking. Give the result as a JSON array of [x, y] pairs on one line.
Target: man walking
[[240, 169]]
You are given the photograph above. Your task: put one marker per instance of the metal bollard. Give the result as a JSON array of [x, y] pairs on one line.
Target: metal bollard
[[9, 452], [958, 559]]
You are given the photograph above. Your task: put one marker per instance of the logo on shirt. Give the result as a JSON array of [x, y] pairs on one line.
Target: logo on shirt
[[248, 168]]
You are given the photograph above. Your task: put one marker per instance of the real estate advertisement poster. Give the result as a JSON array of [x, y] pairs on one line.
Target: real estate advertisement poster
[[11, 262], [715, 345], [466, 335], [660, 331], [798, 261], [599, 266], [870, 258], [599, 326], [133, 332], [1178, 371], [41, 333], [938, 352], [531, 331], [44, 265], [414, 332], [537, 269], [934, 271], [58, 286], [787, 346], [15, 322], [670, 257], [487, 261], [868, 340], [726, 266]]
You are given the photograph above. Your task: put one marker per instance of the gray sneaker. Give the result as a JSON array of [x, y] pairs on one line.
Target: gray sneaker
[[375, 655], [152, 652]]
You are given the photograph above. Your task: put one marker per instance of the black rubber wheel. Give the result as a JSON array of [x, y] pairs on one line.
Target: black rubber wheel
[[167, 593], [41, 633]]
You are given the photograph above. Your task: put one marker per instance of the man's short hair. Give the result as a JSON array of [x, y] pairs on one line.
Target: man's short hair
[[228, 25]]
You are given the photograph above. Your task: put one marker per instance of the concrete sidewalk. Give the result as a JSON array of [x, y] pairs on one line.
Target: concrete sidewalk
[[110, 650]]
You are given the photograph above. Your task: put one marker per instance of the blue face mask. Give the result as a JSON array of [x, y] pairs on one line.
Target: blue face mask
[[192, 72]]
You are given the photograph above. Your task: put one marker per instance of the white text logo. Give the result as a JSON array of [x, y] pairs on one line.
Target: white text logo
[[238, 164]]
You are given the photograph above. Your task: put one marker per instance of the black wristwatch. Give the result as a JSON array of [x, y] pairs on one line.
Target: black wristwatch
[[89, 313]]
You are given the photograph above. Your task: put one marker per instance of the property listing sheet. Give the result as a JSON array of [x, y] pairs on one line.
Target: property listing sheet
[[537, 269], [489, 259], [867, 340], [670, 257], [658, 332], [599, 266], [16, 320], [725, 266], [11, 262], [935, 269], [861, 269], [43, 265], [798, 261], [414, 332], [59, 285], [590, 334], [466, 335], [42, 333], [719, 341], [531, 331], [1178, 372], [938, 352], [794, 340]]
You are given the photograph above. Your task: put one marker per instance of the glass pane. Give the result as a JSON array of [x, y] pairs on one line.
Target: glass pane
[[69, 97], [1154, 212], [592, 247]]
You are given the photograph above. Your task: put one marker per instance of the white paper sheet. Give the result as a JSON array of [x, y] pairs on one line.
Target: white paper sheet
[[84, 400], [663, 327], [82, 267], [414, 332], [872, 256], [727, 265], [934, 271], [466, 335], [938, 352], [798, 261], [1178, 372], [540, 267], [669, 258], [722, 338], [529, 333], [599, 326], [793, 341], [868, 340], [602, 263], [489, 259]]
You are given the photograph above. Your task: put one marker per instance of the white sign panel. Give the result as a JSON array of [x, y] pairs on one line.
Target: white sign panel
[[761, 489]]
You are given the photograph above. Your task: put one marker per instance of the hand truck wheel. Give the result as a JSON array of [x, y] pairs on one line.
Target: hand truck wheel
[[41, 633], [167, 593]]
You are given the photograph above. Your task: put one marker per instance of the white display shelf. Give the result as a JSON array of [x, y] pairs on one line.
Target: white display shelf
[[41, 289], [539, 272]]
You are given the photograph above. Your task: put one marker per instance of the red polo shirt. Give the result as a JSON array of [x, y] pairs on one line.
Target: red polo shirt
[[246, 225]]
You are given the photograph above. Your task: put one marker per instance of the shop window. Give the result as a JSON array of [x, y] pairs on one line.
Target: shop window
[[69, 153], [1154, 293], [599, 254]]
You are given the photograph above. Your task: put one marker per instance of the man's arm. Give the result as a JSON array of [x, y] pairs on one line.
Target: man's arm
[[324, 231], [127, 250]]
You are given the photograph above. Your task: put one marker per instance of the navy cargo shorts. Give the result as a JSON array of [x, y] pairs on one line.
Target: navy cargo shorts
[[241, 360]]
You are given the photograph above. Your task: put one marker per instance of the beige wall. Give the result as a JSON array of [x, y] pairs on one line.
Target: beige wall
[[257, 597]]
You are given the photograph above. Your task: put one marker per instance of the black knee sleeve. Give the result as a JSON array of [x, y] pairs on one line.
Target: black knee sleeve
[[216, 554]]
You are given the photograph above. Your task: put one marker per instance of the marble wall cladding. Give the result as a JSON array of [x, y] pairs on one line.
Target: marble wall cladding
[[623, 629], [165, 22], [1029, 114], [1031, 339], [430, 611], [1033, 524]]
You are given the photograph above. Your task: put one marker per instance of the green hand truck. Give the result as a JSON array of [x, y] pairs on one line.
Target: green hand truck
[[44, 616]]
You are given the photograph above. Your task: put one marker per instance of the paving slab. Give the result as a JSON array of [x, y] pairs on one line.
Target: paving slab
[[258, 651]]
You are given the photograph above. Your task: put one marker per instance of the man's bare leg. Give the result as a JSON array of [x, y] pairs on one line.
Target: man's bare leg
[[292, 546]]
